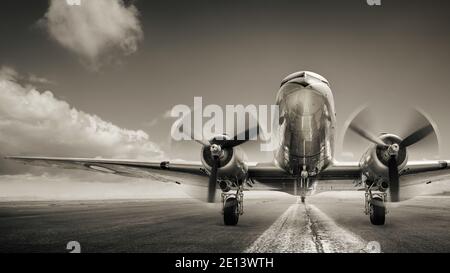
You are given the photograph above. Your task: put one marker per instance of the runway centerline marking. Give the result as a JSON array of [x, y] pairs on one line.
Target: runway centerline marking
[[305, 228]]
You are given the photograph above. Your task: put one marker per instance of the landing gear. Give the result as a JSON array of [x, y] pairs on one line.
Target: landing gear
[[230, 212], [377, 211], [233, 206], [375, 207], [303, 182], [301, 186]]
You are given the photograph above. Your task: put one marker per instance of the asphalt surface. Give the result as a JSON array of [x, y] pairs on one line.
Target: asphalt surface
[[329, 222]]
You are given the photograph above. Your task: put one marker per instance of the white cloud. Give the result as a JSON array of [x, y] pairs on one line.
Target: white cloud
[[39, 80], [8, 73], [37, 123], [95, 28]]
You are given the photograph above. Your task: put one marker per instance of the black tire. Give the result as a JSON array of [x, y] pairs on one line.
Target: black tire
[[377, 212], [231, 212], [303, 199]]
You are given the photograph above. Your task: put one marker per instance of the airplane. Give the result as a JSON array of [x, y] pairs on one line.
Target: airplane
[[302, 158]]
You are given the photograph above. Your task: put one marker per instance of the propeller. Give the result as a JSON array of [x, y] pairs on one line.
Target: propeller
[[367, 135], [417, 136], [239, 139], [212, 185], [216, 147], [392, 150], [394, 185]]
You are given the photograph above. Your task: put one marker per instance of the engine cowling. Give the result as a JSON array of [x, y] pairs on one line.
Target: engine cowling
[[232, 166], [374, 162]]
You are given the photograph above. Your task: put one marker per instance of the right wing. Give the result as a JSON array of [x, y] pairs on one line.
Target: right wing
[[191, 175], [180, 173]]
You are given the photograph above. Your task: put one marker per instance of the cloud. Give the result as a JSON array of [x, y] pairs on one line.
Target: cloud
[[39, 80], [9, 73], [95, 29], [37, 123]]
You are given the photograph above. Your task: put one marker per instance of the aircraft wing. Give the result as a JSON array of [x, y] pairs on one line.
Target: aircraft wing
[[425, 172], [270, 177], [342, 176], [180, 173], [190, 174], [415, 172]]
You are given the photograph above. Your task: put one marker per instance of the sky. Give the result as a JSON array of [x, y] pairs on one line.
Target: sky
[[97, 80]]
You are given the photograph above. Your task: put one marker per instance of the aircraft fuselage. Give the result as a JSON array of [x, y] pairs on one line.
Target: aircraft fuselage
[[305, 139]]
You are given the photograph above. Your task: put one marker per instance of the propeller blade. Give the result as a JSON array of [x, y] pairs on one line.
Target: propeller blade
[[251, 131], [213, 180], [239, 139], [367, 135], [394, 182], [417, 136]]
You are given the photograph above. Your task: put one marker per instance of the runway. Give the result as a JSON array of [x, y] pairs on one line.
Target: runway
[[329, 222], [303, 227]]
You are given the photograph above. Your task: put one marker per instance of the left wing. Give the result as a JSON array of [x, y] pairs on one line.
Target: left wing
[[415, 172], [342, 176], [425, 172]]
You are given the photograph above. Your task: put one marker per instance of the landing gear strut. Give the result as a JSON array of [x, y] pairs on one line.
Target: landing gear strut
[[233, 206], [301, 187], [375, 206]]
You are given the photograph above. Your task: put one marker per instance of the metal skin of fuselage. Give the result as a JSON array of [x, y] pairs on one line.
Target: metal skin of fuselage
[[305, 138]]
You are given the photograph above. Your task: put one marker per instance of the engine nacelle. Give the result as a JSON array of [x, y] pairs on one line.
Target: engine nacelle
[[232, 165], [374, 162]]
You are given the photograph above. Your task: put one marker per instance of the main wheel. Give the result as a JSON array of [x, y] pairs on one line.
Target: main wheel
[[231, 212], [377, 211], [303, 199]]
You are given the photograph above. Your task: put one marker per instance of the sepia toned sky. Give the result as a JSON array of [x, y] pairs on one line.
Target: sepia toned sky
[[124, 66]]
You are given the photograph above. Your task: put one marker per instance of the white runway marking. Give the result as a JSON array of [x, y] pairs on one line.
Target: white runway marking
[[305, 228]]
